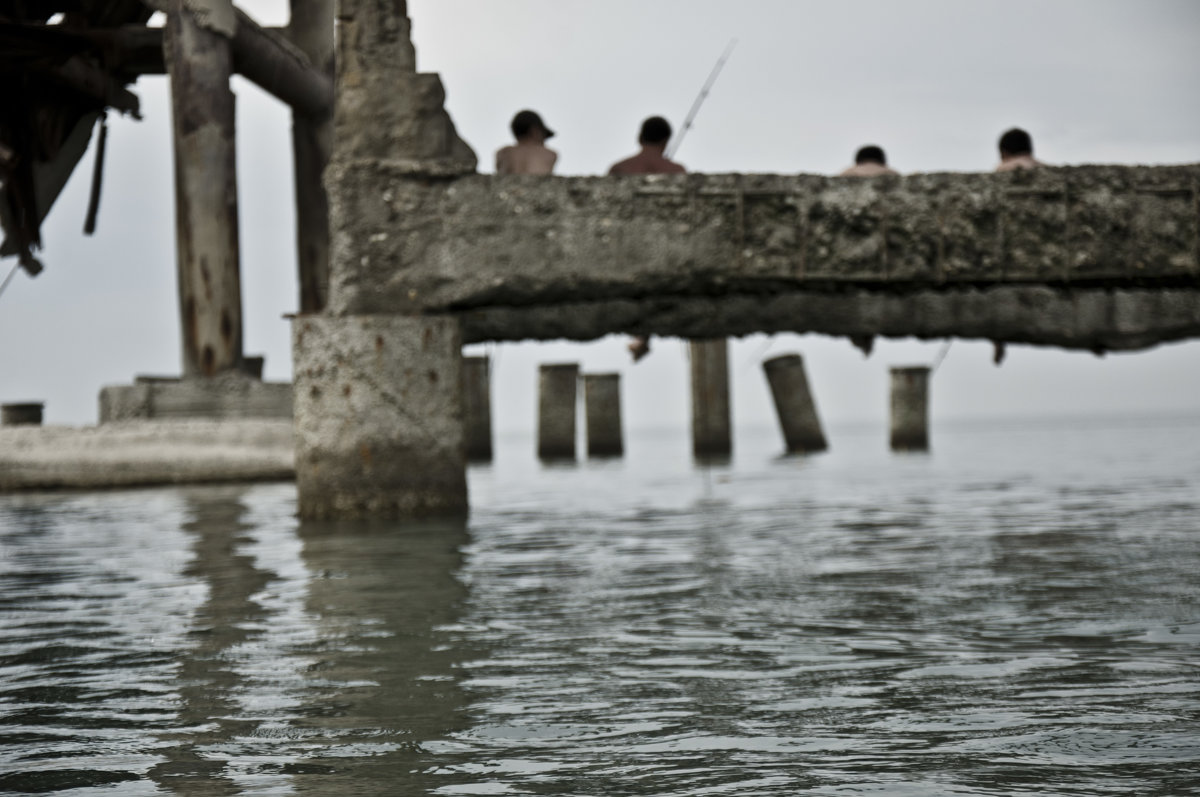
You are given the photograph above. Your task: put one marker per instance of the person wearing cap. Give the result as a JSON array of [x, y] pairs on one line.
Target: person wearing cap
[[529, 155], [655, 134], [869, 161], [1016, 151]]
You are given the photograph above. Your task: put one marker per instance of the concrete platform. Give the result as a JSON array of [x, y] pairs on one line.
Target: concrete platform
[[145, 453]]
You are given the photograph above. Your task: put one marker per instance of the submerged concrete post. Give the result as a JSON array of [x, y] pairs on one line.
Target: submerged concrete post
[[378, 416], [794, 404], [602, 399], [477, 407], [199, 60], [711, 427], [910, 409], [557, 386]]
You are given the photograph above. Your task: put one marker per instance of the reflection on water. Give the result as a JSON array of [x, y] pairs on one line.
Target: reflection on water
[[1014, 614]]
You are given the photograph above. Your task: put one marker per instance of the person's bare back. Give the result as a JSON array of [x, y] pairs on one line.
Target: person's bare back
[[525, 158], [656, 132], [529, 155]]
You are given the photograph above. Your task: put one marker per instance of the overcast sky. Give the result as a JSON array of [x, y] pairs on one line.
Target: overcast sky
[[933, 81]]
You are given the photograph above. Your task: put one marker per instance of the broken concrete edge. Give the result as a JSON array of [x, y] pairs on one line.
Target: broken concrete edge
[[145, 454], [1095, 320]]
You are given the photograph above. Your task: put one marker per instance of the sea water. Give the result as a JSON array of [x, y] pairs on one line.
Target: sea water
[[1016, 612]]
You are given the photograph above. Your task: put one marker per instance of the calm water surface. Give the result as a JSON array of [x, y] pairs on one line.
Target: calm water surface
[[1017, 613]]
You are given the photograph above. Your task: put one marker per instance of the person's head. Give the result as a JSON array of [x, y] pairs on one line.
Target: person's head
[[1014, 143], [656, 132], [529, 125], [870, 154]]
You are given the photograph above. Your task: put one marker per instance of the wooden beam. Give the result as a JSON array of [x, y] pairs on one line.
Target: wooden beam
[[200, 62], [265, 57], [311, 30]]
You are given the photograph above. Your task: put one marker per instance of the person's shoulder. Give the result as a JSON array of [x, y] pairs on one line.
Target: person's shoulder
[[623, 167]]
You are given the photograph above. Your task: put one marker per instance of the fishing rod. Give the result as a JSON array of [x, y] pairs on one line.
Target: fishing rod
[[708, 84]]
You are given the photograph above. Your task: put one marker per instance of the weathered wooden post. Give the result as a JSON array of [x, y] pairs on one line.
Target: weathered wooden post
[[557, 397], [379, 391], [199, 59], [794, 404], [602, 400], [311, 29], [477, 407], [711, 427], [910, 409]]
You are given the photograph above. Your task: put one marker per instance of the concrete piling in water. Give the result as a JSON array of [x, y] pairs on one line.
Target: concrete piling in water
[[477, 408], [378, 416], [711, 426], [27, 413], [910, 409], [794, 404], [602, 399], [557, 389]]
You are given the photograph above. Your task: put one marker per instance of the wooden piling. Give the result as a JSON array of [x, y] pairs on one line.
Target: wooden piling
[[557, 386], [602, 400], [477, 408], [200, 62], [711, 426], [910, 409], [311, 30], [794, 404]]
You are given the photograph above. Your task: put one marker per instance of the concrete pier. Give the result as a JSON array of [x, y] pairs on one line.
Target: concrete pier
[[794, 404], [477, 408], [910, 409], [602, 398], [378, 416], [557, 388], [712, 434]]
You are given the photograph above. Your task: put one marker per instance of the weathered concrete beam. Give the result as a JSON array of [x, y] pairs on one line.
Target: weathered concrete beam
[[1057, 256], [421, 246]]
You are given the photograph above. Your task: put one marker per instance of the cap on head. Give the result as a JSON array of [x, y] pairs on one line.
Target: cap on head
[[1016, 142], [527, 121], [655, 130], [870, 154]]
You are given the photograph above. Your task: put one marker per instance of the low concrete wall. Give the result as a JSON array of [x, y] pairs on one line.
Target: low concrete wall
[[224, 396], [145, 453]]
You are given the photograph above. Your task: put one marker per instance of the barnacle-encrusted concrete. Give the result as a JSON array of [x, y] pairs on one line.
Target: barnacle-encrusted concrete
[[1085, 257]]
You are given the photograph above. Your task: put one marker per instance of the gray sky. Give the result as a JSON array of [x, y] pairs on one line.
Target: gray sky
[[932, 81]]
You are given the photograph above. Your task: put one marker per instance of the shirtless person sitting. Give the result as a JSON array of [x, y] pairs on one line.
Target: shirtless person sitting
[[870, 161], [1016, 151], [529, 155], [656, 132]]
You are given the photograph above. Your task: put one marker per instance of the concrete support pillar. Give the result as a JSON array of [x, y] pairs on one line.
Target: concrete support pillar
[[711, 427], [311, 29], [557, 386], [27, 413], [199, 60], [378, 416], [910, 409], [794, 404], [477, 407], [602, 398]]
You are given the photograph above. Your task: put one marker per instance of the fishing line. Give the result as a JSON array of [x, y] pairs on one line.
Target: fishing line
[[8, 279]]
